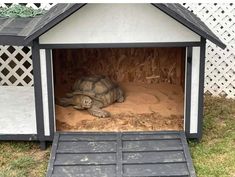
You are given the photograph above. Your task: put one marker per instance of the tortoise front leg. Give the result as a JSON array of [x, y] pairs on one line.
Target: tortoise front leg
[[120, 95], [79, 107], [96, 111]]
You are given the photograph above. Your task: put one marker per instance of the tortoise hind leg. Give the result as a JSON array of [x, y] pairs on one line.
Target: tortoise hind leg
[[96, 111]]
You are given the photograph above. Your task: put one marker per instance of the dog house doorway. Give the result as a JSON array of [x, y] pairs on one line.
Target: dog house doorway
[[152, 80]]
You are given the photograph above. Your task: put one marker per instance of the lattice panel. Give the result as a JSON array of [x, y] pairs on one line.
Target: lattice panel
[[45, 6], [220, 64], [15, 62], [16, 66]]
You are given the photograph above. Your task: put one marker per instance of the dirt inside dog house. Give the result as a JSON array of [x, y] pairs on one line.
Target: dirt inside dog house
[[152, 80]]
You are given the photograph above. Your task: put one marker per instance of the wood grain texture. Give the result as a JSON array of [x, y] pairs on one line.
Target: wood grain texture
[[138, 65]]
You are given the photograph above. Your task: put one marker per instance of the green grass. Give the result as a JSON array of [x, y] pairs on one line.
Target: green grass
[[22, 159], [214, 156]]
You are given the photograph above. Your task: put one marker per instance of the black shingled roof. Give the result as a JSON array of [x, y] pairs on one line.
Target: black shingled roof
[[55, 15], [190, 20], [21, 31], [14, 30]]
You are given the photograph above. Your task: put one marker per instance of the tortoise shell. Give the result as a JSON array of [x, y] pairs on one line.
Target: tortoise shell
[[99, 88]]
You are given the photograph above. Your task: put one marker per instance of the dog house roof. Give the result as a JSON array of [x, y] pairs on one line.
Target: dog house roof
[[22, 31]]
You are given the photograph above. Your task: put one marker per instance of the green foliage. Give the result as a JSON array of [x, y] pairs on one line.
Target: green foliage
[[215, 154], [22, 159], [20, 11]]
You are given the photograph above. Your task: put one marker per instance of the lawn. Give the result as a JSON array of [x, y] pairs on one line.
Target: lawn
[[213, 156], [22, 159]]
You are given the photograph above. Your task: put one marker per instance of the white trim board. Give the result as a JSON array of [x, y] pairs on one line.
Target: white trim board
[[44, 92], [118, 23], [194, 90]]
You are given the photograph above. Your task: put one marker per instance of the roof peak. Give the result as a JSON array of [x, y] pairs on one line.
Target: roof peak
[[61, 11]]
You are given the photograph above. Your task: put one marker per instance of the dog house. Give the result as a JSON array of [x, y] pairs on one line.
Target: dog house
[[155, 52]]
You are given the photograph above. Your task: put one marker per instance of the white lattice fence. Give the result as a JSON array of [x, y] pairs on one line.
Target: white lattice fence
[[16, 66], [220, 64], [33, 5]]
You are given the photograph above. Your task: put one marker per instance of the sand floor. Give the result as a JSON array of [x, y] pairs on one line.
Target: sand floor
[[146, 108]]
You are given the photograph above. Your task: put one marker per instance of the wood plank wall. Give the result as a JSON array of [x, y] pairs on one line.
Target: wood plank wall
[[139, 65]]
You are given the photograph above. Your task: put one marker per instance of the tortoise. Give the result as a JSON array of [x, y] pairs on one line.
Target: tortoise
[[93, 93]]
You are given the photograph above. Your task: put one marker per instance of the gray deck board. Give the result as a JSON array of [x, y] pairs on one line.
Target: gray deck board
[[133, 154], [151, 145], [87, 146], [65, 159], [85, 171], [156, 169], [147, 157], [88, 137]]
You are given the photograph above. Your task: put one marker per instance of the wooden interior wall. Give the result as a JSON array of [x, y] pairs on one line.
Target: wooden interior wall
[[139, 65]]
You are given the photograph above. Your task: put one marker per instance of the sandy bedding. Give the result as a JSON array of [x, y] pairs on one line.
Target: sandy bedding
[[146, 108]]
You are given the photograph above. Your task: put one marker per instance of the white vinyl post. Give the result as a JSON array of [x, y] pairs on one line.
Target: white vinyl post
[[44, 92], [194, 89]]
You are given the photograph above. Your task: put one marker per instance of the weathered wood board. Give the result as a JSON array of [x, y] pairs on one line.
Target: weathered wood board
[[120, 155]]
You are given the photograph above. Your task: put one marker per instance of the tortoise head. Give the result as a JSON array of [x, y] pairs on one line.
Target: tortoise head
[[86, 102]]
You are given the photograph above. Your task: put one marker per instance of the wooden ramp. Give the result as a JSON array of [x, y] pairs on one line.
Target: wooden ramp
[[139, 154]]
